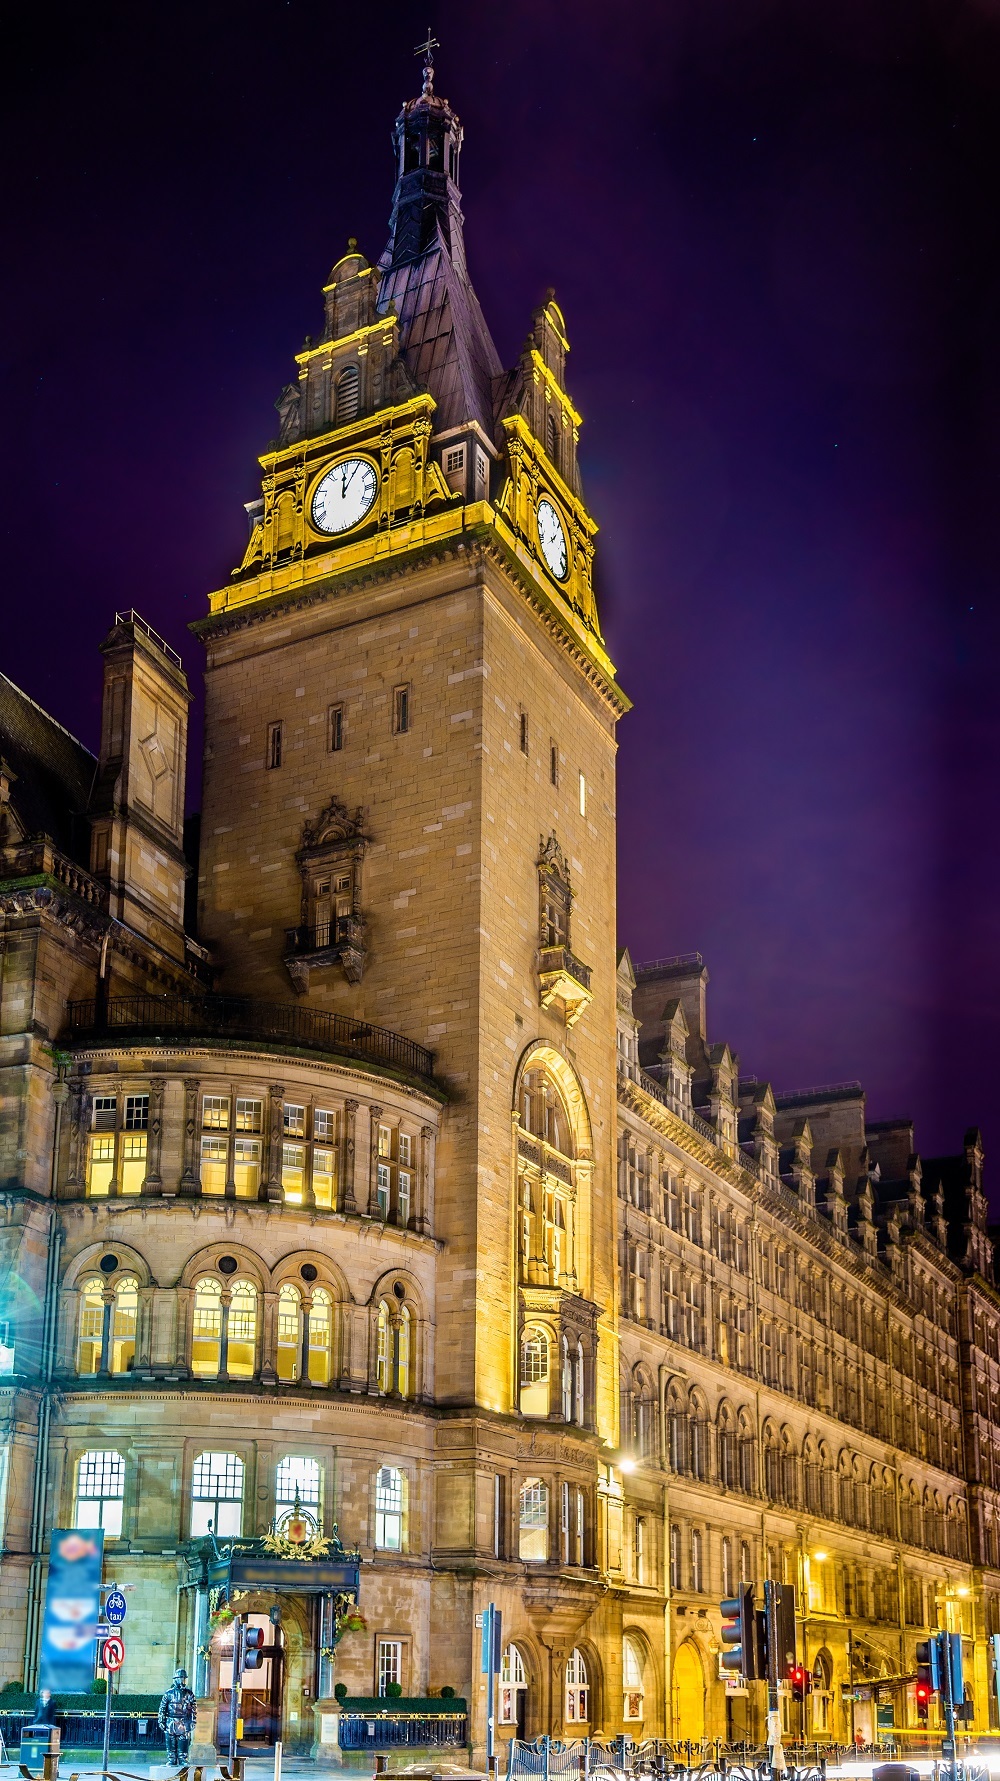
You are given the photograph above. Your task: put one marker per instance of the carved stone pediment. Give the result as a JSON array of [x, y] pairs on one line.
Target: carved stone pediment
[[334, 823], [552, 859]]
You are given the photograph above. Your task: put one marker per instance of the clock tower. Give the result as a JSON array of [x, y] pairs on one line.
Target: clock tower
[[409, 799]]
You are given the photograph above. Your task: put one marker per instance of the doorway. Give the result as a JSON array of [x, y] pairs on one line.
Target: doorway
[[261, 1704], [688, 1693]]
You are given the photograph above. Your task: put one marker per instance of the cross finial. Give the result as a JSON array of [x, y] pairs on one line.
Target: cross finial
[[426, 50]]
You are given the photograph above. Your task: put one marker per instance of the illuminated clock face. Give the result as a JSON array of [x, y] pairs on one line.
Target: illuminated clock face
[[552, 539], [345, 495]]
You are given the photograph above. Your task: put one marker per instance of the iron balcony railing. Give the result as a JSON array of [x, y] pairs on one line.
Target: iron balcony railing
[[326, 933], [244, 1017]]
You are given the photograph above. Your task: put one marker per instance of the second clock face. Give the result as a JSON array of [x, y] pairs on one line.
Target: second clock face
[[345, 495], [552, 539]]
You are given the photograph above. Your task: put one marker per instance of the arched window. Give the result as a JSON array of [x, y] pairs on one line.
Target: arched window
[[124, 1319], [91, 1337], [699, 1440], [100, 1492], [577, 1690], [535, 1372], [533, 1544], [348, 395], [567, 1382], [513, 1687], [633, 1668], [289, 1344], [383, 1351], [390, 1507], [581, 1401], [298, 1476], [543, 1110], [746, 1562], [697, 1576], [242, 1344], [552, 438], [320, 1336], [726, 1441], [403, 1352], [206, 1329], [217, 1494], [727, 1565]]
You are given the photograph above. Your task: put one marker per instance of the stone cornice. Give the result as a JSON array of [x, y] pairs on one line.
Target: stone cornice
[[355, 1072]]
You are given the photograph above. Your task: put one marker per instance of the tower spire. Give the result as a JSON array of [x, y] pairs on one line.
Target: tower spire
[[425, 50]]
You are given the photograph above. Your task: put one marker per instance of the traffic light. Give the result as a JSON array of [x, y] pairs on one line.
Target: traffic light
[[740, 1632], [797, 1678], [923, 1696], [779, 1631], [253, 1655], [928, 1666]]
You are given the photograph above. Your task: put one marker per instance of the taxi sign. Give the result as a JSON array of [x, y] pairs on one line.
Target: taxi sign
[[113, 1652], [115, 1608]]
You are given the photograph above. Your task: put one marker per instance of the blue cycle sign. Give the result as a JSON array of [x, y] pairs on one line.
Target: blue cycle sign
[[115, 1608]]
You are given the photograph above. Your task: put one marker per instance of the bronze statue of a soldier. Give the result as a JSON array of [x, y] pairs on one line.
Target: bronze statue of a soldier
[[176, 1717]]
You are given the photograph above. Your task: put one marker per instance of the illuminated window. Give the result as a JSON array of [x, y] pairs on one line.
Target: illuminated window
[[320, 1336], [242, 1344], [206, 1329], [533, 1546], [577, 1690], [513, 1686], [535, 1373], [214, 1157], [583, 795], [632, 1678], [100, 1492], [389, 1664], [246, 1168], [383, 1353], [390, 1500], [289, 1343], [302, 1476], [117, 1148], [249, 1114], [217, 1494], [124, 1319], [293, 1172], [91, 1336]]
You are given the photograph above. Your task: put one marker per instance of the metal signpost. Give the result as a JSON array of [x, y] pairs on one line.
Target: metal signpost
[[491, 1622], [112, 1658], [236, 1691]]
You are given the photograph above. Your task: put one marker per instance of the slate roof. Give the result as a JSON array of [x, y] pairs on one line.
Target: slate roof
[[444, 338], [54, 771]]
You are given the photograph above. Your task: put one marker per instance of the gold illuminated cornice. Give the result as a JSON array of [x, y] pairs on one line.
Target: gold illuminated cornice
[[384, 325], [554, 386]]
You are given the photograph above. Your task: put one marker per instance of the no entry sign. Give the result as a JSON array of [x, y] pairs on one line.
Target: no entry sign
[[113, 1652]]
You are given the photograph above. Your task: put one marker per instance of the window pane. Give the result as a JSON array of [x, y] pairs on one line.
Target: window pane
[[295, 1120], [136, 1113], [214, 1156], [215, 1112], [246, 1168], [324, 1124], [293, 1172], [289, 1333], [91, 1327], [242, 1352], [323, 1177], [123, 1325], [133, 1162], [321, 1338], [249, 1115], [534, 1519], [101, 1166], [206, 1332], [298, 1474]]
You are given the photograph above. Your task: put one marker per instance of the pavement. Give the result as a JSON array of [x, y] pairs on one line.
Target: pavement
[[84, 1763]]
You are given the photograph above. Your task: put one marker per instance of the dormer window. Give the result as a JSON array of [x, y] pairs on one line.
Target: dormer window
[[332, 927], [564, 983]]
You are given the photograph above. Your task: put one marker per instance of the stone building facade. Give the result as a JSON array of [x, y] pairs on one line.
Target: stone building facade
[[347, 1171]]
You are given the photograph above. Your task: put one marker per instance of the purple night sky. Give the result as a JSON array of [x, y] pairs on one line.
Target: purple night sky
[[773, 227]]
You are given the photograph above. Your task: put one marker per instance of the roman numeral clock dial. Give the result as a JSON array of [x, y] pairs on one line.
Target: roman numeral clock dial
[[552, 538], [344, 495]]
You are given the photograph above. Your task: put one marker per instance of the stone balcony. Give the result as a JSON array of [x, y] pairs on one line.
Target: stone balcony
[[563, 982]]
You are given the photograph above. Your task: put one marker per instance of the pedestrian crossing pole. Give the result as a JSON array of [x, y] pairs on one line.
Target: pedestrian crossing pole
[[491, 1623]]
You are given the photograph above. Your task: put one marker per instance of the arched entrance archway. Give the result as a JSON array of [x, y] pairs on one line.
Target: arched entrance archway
[[688, 1692]]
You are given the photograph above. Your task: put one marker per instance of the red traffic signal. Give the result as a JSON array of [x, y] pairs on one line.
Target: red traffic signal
[[797, 1678], [923, 1697], [253, 1655]]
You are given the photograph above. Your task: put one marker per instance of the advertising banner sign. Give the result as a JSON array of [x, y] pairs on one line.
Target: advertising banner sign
[[72, 1604]]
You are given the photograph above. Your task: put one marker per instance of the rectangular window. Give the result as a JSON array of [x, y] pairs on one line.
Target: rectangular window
[[133, 1146], [214, 1156], [336, 729], [324, 1124], [249, 1115], [400, 710], [323, 1177], [554, 762], [273, 745], [390, 1663], [523, 731], [101, 1167], [293, 1172], [455, 458], [246, 1168], [389, 1509], [403, 1198], [295, 1121], [583, 795], [383, 1186], [405, 1149], [564, 1522], [215, 1113], [580, 1527], [675, 1557], [217, 1494], [105, 1113], [100, 1492], [498, 1515], [136, 1113]]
